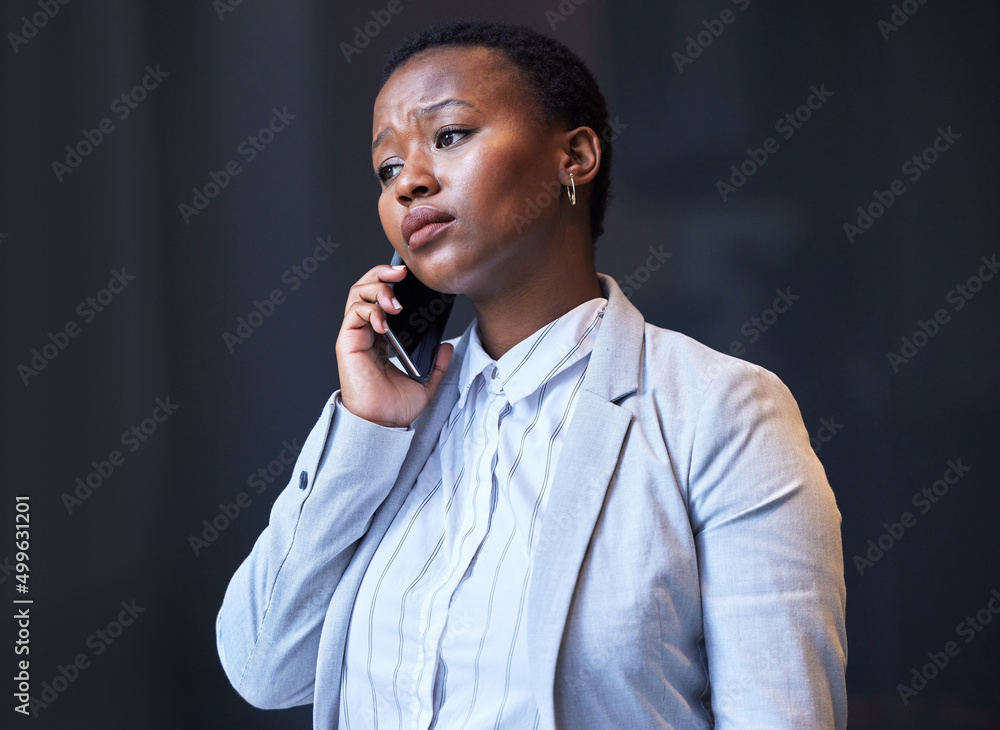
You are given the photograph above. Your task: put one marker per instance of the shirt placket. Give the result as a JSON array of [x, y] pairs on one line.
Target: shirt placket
[[474, 520]]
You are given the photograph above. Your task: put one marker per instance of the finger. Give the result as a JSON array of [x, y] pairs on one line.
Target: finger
[[367, 287], [381, 273], [376, 292], [362, 314]]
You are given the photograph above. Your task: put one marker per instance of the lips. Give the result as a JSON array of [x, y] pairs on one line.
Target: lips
[[422, 223]]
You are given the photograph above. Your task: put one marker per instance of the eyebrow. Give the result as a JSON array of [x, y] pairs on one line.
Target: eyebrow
[[423, 112]]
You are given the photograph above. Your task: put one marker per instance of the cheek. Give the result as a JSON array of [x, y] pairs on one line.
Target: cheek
[[503, 188], [391, 216]]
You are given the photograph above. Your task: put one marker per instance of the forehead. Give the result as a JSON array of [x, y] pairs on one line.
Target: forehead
[[481, 76]]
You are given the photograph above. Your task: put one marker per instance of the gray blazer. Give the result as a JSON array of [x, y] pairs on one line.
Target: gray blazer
[[689, 571]]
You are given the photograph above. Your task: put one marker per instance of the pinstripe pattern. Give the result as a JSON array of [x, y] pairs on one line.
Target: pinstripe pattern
[[437, 634]]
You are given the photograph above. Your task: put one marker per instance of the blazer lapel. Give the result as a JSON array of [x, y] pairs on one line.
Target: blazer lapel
[[589, 456], [428, 427]]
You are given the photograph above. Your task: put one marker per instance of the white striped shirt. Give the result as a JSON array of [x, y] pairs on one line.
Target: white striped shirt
[[437, 635]]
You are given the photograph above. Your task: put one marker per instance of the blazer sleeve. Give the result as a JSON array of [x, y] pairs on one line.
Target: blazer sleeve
[[269, 625], [767, 532]]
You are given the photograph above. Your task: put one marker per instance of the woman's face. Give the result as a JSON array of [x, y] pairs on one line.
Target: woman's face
[[463, 158]]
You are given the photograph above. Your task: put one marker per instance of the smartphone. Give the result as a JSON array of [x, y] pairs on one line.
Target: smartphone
[[416, 332]]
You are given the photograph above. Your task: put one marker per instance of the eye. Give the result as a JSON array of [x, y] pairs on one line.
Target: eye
[[385, 173], [450, 136]]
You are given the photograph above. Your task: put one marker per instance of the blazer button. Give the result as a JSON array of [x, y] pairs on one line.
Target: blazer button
[[303, 480]]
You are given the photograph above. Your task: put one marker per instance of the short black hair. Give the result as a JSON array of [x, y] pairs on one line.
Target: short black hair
[[566, 89]]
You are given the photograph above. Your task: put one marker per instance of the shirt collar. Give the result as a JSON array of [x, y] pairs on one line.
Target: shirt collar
[[534, 360]]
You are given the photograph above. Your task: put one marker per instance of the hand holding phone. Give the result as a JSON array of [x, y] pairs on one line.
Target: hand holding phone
[[372, 387], [416, 332]]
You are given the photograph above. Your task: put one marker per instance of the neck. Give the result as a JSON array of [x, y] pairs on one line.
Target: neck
[[516, 311]]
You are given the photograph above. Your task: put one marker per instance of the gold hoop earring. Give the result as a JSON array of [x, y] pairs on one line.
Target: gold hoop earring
[[571, 191]]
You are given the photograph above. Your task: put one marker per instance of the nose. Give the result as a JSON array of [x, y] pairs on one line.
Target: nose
[[416, 179]]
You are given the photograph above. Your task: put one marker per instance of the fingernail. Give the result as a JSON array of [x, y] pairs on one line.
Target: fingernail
[[396, 304], [399, 267]]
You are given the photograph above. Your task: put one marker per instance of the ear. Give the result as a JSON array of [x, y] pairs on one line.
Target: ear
[[582, 156]]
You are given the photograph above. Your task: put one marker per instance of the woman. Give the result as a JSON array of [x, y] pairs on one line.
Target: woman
[[580, 520]]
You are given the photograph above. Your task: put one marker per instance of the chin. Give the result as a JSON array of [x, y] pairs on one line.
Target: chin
[[437, 267], [441, 281]]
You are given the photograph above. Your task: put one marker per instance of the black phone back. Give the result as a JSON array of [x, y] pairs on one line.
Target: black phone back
[[419, 327]]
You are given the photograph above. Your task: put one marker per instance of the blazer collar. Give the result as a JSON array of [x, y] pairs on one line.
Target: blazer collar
[[613, 371]]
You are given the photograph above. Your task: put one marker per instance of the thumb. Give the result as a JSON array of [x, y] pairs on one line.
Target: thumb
[[441, 362]]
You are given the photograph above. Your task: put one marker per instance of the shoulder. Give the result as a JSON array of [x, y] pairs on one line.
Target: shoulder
[[717, 409], [733, 428], [684, 370]]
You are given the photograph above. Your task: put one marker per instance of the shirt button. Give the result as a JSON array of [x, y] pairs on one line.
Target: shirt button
[[303, 480]]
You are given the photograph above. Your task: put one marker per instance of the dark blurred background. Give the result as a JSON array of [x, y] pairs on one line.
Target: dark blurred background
[[696, 88]]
